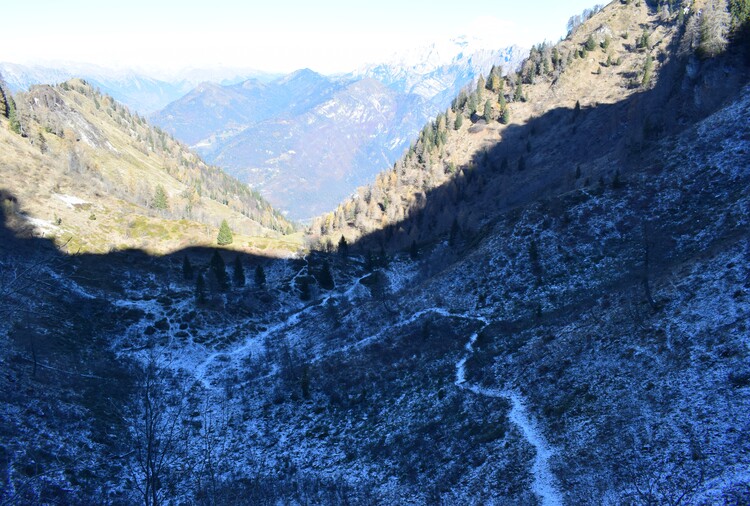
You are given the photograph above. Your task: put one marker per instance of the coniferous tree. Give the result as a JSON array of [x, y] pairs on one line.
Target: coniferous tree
[[343, 247], [459, 121], [305, 290], [648, 68], [414, 250], [505, 116], [481, 83], [488, 111], [590, 44], [238, 274], [471, 105], [200, 289], [160, 198], [453, 237], [325, 277], [260, 276], [714, 26], [369, 261], [187, 269], [305, 383], [225, 234], [219, 272], [3, 102], [42, 142], [616, 181], [644, 41], [15, 124], [740, 11]]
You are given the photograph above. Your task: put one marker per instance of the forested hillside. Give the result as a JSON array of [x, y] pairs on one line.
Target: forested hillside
[[631, 74], [86, 152]]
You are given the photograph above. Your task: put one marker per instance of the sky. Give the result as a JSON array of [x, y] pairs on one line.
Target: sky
[[328, 36]]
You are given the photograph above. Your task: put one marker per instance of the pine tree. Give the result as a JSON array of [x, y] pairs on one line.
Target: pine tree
[[370, 261], [488, 111], [200, 289], [15, 124], [521, 164], [644, 41], [453, 237], [414, 250], [714, 26], [187, 269], [219, 272], [459, 121], [343, 247], [648, 68], [42, 142], [238, 274], [472, 104], [160, 198], [325, 278], [225, 234], [740, 11], [481, 83], [505, 116], [305, 383], [518, 95], [3, 102], [305, 292], [590, 44], [260, 276]]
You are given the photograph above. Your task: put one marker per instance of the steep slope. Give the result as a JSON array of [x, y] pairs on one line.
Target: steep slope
[[567, 356], [90, 174], [585, 343], [564, 122]]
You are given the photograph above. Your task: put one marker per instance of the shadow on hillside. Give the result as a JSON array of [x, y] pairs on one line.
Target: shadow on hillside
[[19, 240], [569, 148], [562, 150]]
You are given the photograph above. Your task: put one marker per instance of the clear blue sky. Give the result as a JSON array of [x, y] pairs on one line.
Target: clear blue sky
[[326, 35]]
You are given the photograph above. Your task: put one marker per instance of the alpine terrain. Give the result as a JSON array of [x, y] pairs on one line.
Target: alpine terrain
[[305, 141], [545, 300]]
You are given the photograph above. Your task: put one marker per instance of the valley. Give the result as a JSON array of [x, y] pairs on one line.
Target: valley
[[545, 300]]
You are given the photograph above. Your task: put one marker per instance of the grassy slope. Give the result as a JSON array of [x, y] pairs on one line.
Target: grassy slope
[[104, 161]]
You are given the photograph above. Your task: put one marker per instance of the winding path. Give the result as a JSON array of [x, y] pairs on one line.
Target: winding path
[[545, 485]]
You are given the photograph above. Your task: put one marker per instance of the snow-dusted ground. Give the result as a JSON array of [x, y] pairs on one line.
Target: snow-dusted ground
[[71, 200], [545, 483]]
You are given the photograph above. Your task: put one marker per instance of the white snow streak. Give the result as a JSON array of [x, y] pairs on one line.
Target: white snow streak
[[545, 485]]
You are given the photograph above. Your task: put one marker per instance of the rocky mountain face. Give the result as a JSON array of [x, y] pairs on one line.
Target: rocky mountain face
[[438, 71], [306, 141], [567, 342]]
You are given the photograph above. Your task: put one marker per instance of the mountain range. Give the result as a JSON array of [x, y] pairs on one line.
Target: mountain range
[[327, 135], [143, 91]]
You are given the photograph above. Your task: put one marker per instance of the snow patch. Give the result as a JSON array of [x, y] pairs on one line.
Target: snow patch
[[71, 200]]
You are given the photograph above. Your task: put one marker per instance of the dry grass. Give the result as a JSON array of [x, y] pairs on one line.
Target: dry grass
[[100, 217]]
